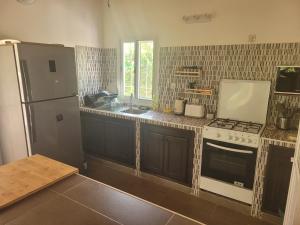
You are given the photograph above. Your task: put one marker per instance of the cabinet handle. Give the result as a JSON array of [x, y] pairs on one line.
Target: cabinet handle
[[26, 80], [31, 125]]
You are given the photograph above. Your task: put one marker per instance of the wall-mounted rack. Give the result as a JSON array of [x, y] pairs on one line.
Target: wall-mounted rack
[[199, 91], [189, 71]]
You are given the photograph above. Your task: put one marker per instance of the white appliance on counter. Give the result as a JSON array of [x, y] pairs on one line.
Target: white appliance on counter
[[196, 111], [230, 142], [179, 106]]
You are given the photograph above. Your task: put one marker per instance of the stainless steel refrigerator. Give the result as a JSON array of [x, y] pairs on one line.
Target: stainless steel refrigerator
[[39, 109]]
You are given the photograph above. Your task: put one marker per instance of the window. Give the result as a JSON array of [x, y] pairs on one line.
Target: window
[[138, 62]]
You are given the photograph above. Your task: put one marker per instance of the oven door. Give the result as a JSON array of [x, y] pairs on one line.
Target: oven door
[[230, 163]]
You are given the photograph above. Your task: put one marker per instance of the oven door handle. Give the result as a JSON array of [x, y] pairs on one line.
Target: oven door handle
[[230, 149]]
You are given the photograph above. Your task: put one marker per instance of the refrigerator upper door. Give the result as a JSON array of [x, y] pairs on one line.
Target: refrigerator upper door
[[46, 71], [54, 130]]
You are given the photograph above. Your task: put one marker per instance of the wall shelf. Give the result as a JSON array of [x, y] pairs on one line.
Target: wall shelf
[[187, 75], [204, 92], [188, 72]]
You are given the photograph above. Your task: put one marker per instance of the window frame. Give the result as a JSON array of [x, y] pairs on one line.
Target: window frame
[[136, 98]]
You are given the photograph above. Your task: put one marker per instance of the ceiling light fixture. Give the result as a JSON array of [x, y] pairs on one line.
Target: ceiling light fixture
[[26, 2], [199, 18]]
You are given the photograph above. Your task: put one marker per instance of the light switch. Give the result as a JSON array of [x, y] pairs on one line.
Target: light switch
[[173, 86]]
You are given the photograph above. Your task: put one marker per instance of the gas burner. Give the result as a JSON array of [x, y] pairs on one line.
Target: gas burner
[[248, 127], [223, 123]]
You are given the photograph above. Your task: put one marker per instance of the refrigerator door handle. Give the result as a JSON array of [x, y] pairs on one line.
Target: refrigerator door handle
[[31, 125], [26, 80]]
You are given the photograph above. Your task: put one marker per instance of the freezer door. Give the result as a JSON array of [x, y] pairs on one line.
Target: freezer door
[[54, 130], [46, 71]]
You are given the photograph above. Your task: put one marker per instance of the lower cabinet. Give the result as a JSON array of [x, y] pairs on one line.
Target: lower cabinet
[[109, 138], [167, 152], [277, 179]]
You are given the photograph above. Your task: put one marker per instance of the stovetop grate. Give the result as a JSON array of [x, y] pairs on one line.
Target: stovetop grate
[[242, 126]]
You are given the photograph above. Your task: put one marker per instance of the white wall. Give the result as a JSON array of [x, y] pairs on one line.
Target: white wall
[[270, 20], [79, 22], [69, 22]]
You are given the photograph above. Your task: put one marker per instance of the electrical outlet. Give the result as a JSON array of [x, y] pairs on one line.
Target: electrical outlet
[[252, 38]]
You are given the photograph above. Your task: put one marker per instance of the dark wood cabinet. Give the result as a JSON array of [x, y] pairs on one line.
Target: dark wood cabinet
[[167, 152], [93, 137], [119, 141], [175, 161], [277, 179], [152, 152], [109, 138]]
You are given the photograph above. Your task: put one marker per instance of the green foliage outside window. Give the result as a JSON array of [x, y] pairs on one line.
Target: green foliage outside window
[[145, 68], [129, 51]]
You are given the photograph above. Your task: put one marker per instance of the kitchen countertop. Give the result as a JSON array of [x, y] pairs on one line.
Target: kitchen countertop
[[79, 200], [151, 116], [273, 133], [270, 132]]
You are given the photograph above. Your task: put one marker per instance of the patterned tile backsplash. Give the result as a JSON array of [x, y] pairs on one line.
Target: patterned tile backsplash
[[96, 70], [244, 62]]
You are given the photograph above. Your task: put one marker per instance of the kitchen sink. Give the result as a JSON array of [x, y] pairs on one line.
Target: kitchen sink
[[110, 108], [134, 111]]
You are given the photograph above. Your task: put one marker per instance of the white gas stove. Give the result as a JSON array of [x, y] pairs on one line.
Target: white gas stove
[[230, 142], [234, 131]]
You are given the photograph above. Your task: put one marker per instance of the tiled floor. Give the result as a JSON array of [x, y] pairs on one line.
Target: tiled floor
[[202, 210], [82, 201]]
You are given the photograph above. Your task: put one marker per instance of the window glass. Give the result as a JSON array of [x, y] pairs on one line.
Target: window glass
[[138, 62], [145, 69], [128, 67]]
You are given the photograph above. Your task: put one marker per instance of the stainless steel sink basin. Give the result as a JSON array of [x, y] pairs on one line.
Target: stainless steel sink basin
[[110, 108], [134, 111]]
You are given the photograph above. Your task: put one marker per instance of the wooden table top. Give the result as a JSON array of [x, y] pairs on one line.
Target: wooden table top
[[24, 177]]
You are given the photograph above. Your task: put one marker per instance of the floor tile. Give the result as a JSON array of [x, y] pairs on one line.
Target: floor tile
[[25, 205], [225, 216], [117, 205], [61, 211], [196, 208], [68, 183], [172, 199], [179, 220]]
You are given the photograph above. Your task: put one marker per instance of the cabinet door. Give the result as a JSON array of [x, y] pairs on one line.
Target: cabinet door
[[167, 152], [277, 179], [176, 158], [92, 134], [120, 141], [152, 145]]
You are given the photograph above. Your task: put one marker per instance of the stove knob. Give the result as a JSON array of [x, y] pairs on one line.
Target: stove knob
[[236, 138], [230, 137], [249, 141], [218, 135], [243, 140]]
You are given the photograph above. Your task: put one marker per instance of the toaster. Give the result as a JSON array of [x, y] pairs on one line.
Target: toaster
[[197, 111]]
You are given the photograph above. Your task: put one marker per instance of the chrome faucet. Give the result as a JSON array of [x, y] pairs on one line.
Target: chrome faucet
[[131, 100]]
